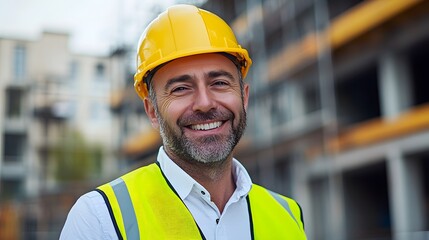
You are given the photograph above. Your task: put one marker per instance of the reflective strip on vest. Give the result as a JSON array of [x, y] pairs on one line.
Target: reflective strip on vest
[[284, 204], [127, 209]]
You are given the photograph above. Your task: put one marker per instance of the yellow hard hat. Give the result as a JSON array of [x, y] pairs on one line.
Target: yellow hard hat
[[180, 31]]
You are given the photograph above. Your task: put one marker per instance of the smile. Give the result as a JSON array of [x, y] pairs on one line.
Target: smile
[[206, 126]]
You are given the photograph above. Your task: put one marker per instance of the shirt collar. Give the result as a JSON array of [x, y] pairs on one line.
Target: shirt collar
[[183, 183]]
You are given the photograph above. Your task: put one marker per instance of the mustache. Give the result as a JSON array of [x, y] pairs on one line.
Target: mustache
[[212, 115]]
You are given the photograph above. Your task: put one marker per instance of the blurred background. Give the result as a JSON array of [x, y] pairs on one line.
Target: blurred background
[[338, 116]]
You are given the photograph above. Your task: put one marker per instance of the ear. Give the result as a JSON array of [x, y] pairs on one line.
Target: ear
[[150, 111], [246, 95]]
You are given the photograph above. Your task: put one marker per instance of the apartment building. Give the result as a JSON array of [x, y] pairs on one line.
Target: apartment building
[[338, 115], [52, 96]]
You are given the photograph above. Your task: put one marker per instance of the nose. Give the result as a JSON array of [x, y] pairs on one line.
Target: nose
[[204, 101]]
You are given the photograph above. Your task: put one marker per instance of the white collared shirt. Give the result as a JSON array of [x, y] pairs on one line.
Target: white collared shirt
[[90, 219]]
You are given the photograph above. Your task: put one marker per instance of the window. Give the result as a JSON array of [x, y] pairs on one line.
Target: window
[[352, 106], [419, 56], [13, 147], [11, 189], [19, 61], [99, 71], [367, 212], [312, 99], [100, 84], [282, 175], [14, 100]]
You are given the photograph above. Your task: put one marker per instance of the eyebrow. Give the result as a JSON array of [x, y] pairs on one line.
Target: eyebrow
[[181, 78], [220, 73]]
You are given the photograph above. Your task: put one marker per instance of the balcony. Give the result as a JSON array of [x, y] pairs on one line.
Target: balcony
[[16, 124], [13, 167]]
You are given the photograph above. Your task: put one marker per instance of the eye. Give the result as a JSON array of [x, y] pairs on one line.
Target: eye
[[220, 83], [179, 89]]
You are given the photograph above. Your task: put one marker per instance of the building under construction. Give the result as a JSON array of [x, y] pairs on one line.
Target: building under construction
[[339, 111]]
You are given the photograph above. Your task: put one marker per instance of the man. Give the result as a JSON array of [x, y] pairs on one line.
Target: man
[[190, 72]]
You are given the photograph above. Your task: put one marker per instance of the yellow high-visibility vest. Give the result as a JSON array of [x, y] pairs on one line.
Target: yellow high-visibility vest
[[144, 205]]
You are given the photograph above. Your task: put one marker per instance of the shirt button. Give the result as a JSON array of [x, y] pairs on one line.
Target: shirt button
[[202, 192]]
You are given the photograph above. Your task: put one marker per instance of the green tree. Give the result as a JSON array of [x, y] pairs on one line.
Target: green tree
[[75, 158]]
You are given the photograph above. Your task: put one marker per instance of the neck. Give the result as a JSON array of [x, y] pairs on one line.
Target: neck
[[217, 178]]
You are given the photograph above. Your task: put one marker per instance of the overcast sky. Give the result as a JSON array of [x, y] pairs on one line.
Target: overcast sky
[[95, 26]]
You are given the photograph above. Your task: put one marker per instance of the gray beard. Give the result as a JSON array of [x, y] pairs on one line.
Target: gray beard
[[207, 150]]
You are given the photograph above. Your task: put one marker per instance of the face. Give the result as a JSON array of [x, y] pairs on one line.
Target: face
[[199, 107]]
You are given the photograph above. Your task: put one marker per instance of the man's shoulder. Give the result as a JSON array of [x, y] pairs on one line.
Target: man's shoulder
[[90, 201], [88, 219]]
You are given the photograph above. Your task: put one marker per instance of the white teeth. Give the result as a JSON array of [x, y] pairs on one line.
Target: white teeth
[[206, 126]]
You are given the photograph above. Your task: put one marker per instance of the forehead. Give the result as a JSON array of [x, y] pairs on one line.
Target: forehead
[[194, 65]]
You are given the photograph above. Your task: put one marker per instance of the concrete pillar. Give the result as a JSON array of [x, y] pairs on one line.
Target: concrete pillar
[[336, 221], [405, 195], [317, 227], [397, 192], [415, 191], [395, 84], [301, 188]]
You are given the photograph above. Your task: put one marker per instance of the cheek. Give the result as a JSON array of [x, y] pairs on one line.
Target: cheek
[[233, 103], [170, 110], [233, 97]]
